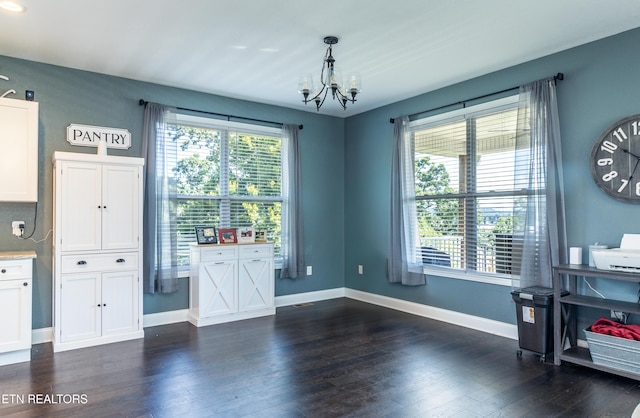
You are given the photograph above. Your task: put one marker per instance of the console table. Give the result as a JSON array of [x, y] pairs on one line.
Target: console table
[[564, 317]]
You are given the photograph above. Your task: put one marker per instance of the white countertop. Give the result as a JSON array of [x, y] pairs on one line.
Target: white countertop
[[17, 255]]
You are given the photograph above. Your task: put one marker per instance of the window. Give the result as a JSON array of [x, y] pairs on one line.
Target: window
[[468, 199], [228, 175]]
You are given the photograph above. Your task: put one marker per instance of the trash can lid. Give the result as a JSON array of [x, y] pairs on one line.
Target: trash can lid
[[536, 291]]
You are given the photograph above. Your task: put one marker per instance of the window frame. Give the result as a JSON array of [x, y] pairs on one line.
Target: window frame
[[243, 128], [501, 104]]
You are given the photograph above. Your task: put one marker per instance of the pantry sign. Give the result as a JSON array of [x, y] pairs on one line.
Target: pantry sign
[[90, 136]]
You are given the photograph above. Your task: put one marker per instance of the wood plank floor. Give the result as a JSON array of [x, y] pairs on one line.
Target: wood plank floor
[[333, 358]]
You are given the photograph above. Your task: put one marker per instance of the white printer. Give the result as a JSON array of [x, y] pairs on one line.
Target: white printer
[[625, 258]]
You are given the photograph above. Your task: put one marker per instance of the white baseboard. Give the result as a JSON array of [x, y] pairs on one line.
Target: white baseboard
[[307, 297], [165, 318], [502, 329], [452, 317], [42, 335]]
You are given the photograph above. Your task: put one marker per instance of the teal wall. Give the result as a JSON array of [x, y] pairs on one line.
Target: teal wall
[[601, 86], [346, 169], [70, 96]]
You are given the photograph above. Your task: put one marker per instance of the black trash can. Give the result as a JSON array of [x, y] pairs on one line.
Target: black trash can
[[534, 309]]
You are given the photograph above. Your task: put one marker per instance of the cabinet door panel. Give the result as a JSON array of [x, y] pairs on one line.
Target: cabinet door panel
[[120, 199], [80, 209], [79, 310], [119, 303], [15, 315], [255, 284], [218, 288], [19, 160]]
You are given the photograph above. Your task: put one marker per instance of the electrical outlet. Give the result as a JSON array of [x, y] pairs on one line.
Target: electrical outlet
[[309, 270], [360, 269], [17, 228]]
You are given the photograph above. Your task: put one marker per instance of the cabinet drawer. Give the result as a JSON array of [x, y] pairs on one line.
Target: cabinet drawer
[[250, 251], [99, 262], [15, 269], [220, 252]]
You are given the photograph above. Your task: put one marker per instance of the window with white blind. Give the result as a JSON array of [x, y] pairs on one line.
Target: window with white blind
[[228, 175], [468, 201]]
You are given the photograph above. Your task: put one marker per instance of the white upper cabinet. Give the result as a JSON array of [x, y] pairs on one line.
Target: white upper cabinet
[[99, 206], [18, 150]]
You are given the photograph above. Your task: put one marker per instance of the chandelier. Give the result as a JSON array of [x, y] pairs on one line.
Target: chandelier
[[330, 80]]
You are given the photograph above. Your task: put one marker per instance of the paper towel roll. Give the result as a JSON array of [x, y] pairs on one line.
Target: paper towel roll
[[575, 255]]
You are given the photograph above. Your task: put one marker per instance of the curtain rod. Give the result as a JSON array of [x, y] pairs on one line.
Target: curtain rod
[[559, 76], [143, 102]]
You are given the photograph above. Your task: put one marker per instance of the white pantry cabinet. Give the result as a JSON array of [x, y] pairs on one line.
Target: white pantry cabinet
[[19, 150], [97, 249], [16, 283], [230, 282]]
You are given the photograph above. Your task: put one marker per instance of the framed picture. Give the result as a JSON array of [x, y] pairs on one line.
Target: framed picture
[[227, 235], [261, 236], [206, 235], [246, 235]]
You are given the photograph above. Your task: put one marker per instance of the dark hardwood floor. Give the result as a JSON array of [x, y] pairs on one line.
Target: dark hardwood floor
[[333, 358]]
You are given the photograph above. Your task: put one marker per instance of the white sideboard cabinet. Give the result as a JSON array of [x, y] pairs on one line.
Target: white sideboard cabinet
[[229, 282], [97, 249], [16, 285], [19, 150]]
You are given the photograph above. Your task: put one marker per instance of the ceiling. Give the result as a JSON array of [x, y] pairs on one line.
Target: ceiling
[[256, 49]]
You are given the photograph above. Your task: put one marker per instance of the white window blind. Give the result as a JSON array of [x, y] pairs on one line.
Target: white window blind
[[227, 175], [469, 205]]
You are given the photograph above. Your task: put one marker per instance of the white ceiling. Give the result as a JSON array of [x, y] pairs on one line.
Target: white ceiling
[[256, 49]]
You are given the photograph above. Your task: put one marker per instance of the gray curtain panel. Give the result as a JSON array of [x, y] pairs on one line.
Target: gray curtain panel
[[403, 265], [293, 263], [160, 264], [538, 136]]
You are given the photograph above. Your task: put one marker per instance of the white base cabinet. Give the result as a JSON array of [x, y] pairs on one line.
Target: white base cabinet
[[230, 283], [15, 306], [97, 250]]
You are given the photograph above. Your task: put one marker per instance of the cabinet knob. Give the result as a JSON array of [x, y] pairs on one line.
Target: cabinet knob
[[81, 263], [120, 260], [25, 284], [99, 305], [3, 270]]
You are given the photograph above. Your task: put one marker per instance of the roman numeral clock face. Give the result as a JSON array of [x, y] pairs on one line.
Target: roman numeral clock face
[[615, 160]]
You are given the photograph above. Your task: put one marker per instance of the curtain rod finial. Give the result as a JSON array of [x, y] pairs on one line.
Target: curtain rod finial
[[559, 76], [142, 102], [392, 120]]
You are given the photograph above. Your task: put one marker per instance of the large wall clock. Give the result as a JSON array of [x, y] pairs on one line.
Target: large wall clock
[[615, 160]]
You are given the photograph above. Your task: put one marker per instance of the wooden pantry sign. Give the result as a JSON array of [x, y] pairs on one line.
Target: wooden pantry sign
[[90, 136]]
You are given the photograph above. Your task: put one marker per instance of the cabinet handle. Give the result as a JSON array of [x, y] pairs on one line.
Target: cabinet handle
[[120, 260], [3, 270], [25, 284], [99, 306], [82, 263]]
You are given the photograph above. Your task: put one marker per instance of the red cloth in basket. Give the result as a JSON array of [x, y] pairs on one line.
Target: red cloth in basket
[[616, 329]]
